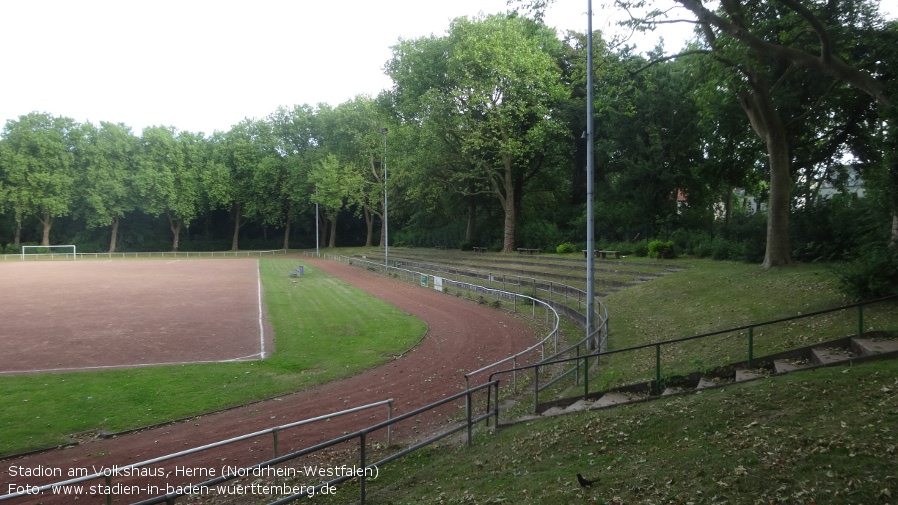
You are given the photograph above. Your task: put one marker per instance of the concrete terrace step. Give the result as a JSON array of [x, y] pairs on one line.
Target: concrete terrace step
[[791, 365], [870, 346], [845, 350], [743, 375], [827, 355]]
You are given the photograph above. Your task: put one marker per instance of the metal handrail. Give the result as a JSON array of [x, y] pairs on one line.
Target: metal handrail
[[596, 340], [115, 470], [657, 345], [361, 435]]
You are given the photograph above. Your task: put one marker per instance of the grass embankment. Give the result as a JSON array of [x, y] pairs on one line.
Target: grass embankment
[[317, 340], [826, 436], [711, 296]]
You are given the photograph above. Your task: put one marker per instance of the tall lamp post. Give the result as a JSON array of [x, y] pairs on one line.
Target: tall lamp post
[[383, 131], [590, 197]]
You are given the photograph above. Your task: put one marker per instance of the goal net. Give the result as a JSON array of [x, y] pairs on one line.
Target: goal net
[[49, 252]]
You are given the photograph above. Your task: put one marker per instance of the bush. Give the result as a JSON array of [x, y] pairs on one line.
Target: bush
[[641, 249], [873, 275], [662, 250], [566, 248]]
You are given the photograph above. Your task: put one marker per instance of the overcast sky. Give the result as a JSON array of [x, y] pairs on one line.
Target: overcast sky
[[204, 65]]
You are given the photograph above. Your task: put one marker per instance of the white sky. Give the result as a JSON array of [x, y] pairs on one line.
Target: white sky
[[204, 65]]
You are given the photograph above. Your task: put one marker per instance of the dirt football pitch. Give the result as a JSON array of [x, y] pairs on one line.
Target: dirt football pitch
[[78, 315]]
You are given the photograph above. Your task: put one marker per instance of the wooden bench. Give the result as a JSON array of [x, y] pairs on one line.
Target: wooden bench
[[479, 249], [605, 254], [522, 250]]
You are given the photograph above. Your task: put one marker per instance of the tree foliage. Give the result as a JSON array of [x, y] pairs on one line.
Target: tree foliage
[[483, 147]]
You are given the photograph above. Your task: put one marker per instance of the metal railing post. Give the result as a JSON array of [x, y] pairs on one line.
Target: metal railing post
[[585, 376], [496, 386], [514, 377], [751, 345], [470, 427], [389, 418], [535, 388], [362, 466]]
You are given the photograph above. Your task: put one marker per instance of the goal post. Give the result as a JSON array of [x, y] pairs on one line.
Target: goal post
[[48, 250]]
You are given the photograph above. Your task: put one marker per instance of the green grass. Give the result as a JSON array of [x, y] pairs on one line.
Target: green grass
[[711, 296], [826, 436], [315, 342]]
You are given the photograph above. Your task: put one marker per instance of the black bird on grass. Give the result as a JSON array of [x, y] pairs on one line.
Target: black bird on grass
[[585, 483]]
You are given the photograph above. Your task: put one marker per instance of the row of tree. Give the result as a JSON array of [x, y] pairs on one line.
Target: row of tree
[[481, 137]]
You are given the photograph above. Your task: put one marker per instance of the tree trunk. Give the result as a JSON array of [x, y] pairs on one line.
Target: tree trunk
[[47, 220], [471, 230], [17, 240], [235, 238], [727, 206], [114, 235], [322, 229], [894, 242], [778, 250], [508, 205], [369, 228], [175, 225], [761, 111], [332, 240], [287, 234], [176, 233]]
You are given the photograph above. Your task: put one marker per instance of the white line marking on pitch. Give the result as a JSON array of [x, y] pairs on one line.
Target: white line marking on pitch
[[261, 324], [133, 365]]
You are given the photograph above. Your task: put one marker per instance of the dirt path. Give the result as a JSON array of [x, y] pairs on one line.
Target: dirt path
[[462, 336]]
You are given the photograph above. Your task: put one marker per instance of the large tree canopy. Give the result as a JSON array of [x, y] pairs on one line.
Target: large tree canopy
[[38, 164], [494, 86], [770, 55]]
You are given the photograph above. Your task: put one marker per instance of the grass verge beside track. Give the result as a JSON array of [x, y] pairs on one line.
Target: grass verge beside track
[[317, 340]]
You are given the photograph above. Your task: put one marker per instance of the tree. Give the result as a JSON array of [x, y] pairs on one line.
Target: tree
[[763, 45], [245, 174], [169, 179], [352, 133], [38, 162], [334, 185], [106, 172], [298, 139], [493, 84]]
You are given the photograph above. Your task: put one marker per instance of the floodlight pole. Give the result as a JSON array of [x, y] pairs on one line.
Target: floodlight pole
[[590, 187], [317, 219], [383, 131]]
